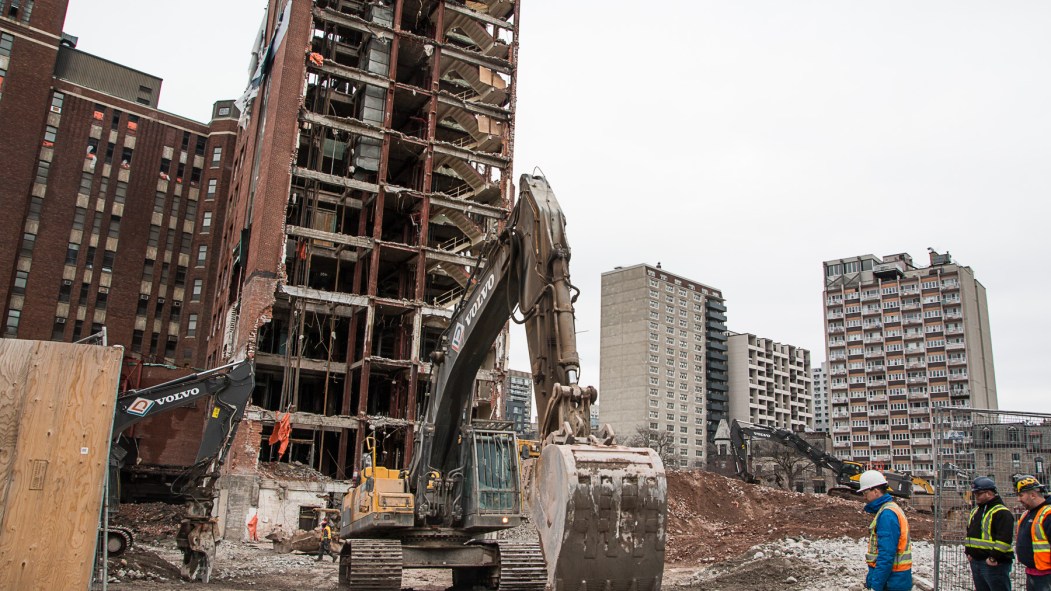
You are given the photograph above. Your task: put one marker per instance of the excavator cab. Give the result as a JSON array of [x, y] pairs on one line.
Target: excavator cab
[[492, 497]]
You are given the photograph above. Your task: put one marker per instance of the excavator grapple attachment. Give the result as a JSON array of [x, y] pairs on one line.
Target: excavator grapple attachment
[[600, 512]]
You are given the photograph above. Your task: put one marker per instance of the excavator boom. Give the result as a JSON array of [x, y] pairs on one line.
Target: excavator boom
[[599, 507]]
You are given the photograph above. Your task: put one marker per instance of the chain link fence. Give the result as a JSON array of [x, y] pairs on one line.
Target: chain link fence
[[969, 443]]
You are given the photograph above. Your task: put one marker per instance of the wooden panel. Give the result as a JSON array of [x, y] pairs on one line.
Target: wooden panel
[[58, 399]]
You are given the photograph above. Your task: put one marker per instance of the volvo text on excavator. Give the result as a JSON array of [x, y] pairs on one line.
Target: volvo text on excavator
[[599, 507], [846, 472], [228, 389]]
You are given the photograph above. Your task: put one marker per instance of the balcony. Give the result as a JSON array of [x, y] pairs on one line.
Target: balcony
[[835, 329], [922, 457], [921, 441], [918, 380], [879, 443], [880, 458], [841, 444], [954, 330], [912, 321], [954, 346], [871, 354], [874, 368], [873, 339], [960, 392], [877, 397], [958, 376], [841, 429], [918, 395], [957, 361], [924, 426], [880, 428], [834, 315]]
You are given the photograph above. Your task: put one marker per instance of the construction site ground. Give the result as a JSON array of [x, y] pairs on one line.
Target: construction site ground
[[723, 534]]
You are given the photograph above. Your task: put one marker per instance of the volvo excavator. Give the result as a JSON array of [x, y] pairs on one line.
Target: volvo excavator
[[228, 389], [846, 472], [599, 507]]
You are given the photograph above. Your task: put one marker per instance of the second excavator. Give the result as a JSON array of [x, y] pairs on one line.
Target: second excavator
[[599, 507]]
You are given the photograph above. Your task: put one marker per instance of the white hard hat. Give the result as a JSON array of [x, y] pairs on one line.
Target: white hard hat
[[871, 479]]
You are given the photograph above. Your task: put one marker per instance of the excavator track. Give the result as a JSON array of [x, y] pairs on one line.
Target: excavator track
[[118, 542], [600, 512], [371, 565], [522, 567]]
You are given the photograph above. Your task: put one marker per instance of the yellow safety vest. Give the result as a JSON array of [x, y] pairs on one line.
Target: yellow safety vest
[[986, 542], [1041, 546], [903, 556]]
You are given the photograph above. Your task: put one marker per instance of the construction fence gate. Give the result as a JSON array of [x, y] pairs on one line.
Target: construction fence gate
[[970, 443]]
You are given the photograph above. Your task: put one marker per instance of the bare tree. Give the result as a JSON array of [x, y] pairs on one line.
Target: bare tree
[[789, 467], [662, 442]]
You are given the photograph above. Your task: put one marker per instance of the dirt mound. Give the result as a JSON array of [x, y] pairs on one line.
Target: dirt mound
[[140, 564], [712, 518]]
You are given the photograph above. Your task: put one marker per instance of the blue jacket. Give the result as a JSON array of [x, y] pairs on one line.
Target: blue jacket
[[881, 577]]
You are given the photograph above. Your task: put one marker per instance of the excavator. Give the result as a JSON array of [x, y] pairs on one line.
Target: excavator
[[846, 472], [599, 507], [228, 389]]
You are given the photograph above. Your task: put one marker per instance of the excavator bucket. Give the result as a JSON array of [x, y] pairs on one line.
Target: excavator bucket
[[600, 511]]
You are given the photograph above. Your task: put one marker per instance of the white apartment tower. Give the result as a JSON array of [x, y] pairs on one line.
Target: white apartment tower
[[663, 359], [770, 383], [900, 341], [821, 406]]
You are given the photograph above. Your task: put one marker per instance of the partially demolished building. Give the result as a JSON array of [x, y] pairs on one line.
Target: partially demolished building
[[374, 158]]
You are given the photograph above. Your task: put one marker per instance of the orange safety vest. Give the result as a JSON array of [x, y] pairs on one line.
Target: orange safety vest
[[903, 557], [1041, 545]]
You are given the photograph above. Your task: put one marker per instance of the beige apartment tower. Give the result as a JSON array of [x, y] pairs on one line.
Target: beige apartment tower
[[901, 340], [770, 383], [663, 359]]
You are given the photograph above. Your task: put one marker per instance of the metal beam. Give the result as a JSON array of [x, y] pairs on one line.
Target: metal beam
[[355, 241], [332, 179]]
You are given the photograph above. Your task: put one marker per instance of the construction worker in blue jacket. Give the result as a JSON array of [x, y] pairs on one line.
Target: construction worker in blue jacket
[[889, 554], [990, 532]]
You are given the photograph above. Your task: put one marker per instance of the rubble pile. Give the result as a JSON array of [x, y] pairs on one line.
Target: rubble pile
[[291, 471], [713, 518], [150, 521], [799, 564]]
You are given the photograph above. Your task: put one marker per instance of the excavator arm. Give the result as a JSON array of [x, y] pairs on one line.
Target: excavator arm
[[599, 507]]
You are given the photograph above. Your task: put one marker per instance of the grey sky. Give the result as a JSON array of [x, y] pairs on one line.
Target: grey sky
[[742, 143]]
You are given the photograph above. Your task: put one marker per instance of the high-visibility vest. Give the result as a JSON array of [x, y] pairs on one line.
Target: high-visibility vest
[[903, 555], [1041, 546], [986, 542]]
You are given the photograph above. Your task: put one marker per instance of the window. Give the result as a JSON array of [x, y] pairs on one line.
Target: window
[[56, 99], [28, 242], [217, 156], [21, 278], [64, 290], [155, 235], [144, 301], [199, 150], [195, 294], [180, 276], [42, 169], [158, 202], [49, 135], [82, 299], [36, 204], [72, 252], [114, 226], [107, 260], [101, 299], [191, 325], [6, 43], [122, 192], [212, 183], [11, 328]]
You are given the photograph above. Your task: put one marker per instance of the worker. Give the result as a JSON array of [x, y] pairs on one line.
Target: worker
[[1033, 533], [990, 531], [326, 541], [889, 554]]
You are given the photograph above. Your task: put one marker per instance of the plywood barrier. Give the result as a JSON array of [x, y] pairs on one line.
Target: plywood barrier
[[56, 414]]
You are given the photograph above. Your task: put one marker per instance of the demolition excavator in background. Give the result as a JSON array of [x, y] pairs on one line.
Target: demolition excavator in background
[[847, 473], [599, 507], [228, 389]]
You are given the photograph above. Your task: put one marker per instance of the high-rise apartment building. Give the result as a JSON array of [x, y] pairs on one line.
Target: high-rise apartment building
[[518, 401], [903, 339], [663, 358], [770, 383], [374, 161], [111, 206], [821, 407]]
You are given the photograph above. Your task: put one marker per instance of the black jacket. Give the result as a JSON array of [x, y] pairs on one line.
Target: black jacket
[[1002, 529]]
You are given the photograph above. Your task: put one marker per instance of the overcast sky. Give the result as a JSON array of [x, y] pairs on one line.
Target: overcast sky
[[742, 143]]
